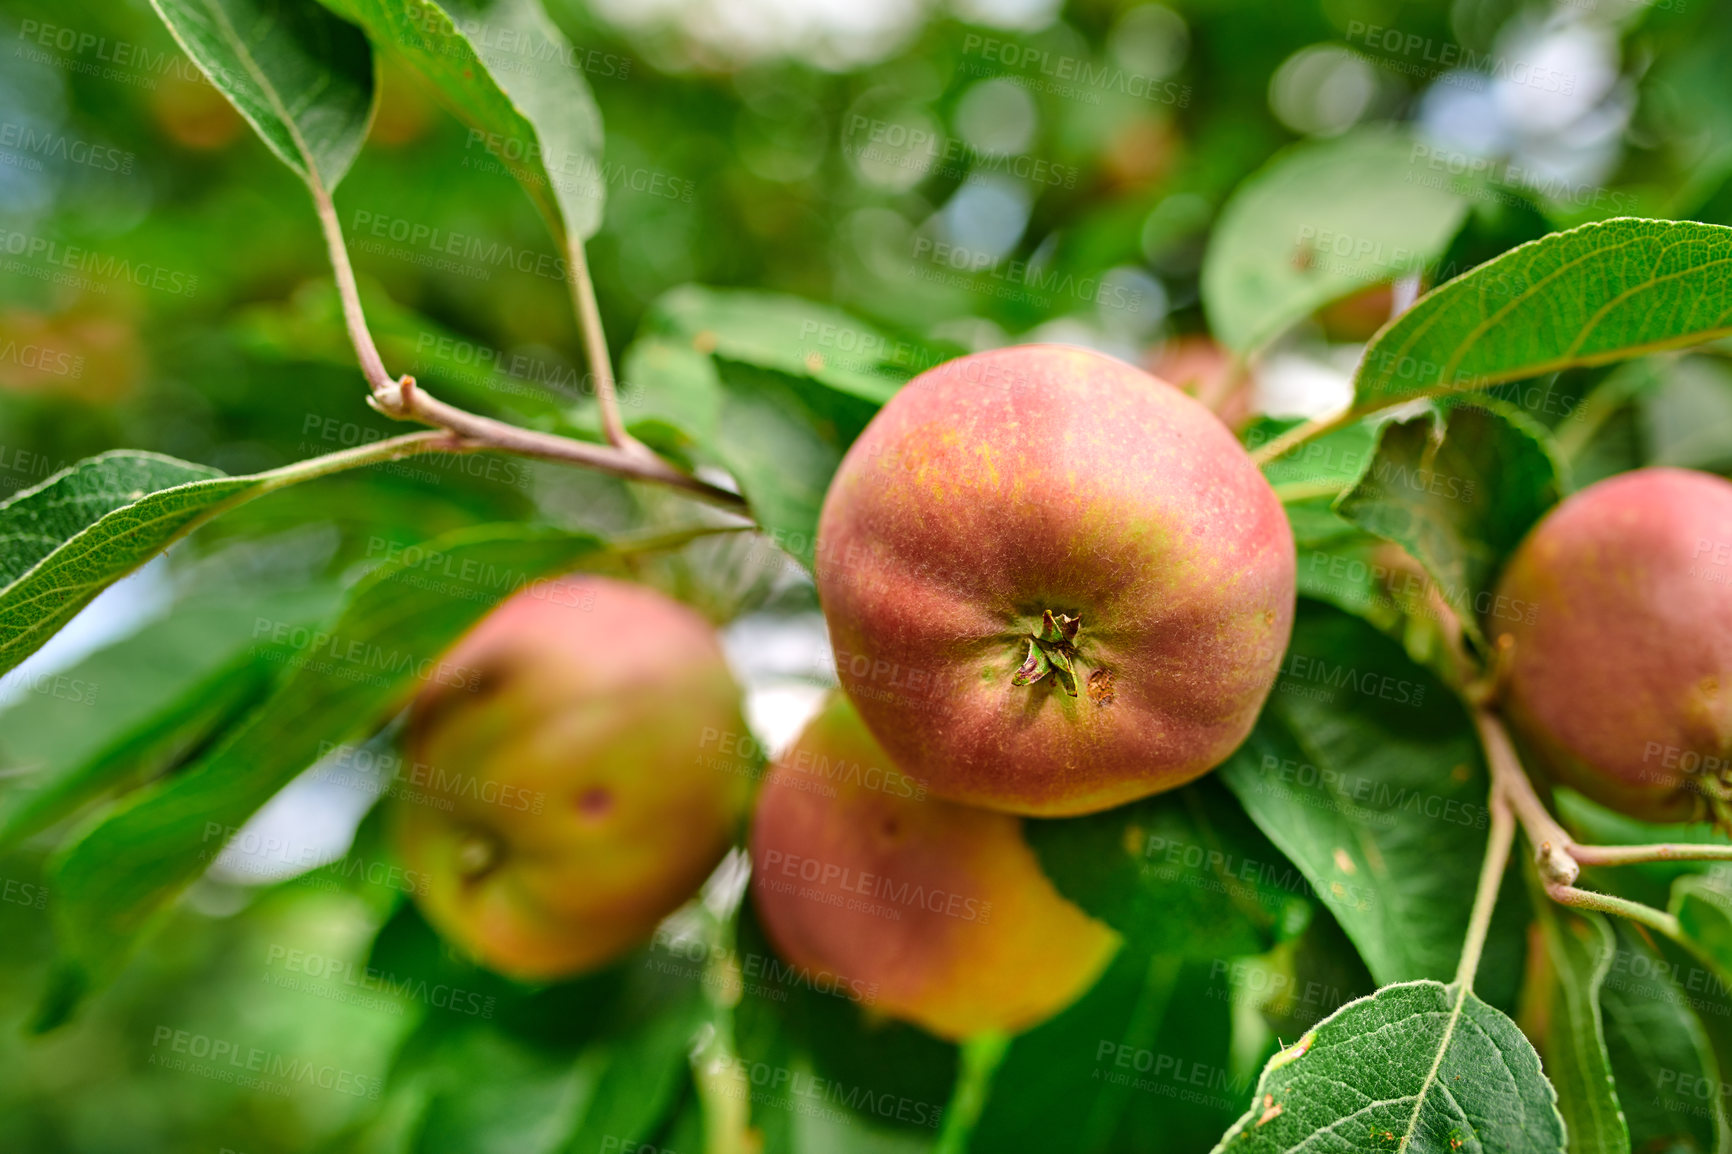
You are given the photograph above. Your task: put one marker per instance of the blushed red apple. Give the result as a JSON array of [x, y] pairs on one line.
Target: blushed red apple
[[1617, 662], [569, 807], [941, 911], [1054, 583]]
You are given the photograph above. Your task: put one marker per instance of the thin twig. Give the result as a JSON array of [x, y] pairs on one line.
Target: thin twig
[[1552, 843], [372, 365], [1556, 854], [389, 449], [414, 403], [595, 348], [1491, 870], [1614, 855], [1655, 919], [403, 400], [1294, 491]]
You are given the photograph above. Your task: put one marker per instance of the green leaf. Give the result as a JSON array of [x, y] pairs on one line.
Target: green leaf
[[204, 708], [520, 90], [795, 336], [1365, 772], [301, 77], [1659, 1050], [1182, 872], [1316, 223], [1704, 912], [69, 538], [1579, 951], [824, 1074], [1138, 1063], [1459, 493], [1421, 1067], [500, 1090], [782, 439], [114, 882], [1595, 294]]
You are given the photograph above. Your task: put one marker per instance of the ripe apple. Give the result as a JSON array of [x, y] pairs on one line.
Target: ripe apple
[[1614, 618], [1054, 583], [938, 912], [559, 798]]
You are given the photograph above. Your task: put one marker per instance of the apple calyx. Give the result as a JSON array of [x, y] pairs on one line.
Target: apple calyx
[[1050, 652], [477, 855]]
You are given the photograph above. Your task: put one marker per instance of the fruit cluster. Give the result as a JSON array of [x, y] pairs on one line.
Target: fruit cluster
[[1054, 584], [1065, 587]]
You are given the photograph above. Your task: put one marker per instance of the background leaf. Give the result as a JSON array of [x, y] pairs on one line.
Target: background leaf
[[519, 88], [1655, 1038], [1183, 873], [1319, 221], [141, 705], [1579, 949], [1459, 492]]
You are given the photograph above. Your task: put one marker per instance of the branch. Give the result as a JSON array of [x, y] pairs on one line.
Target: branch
[[595, 349], [1552, 843], [624, 457], [406, 401], [1497, 848], [1557, 855]]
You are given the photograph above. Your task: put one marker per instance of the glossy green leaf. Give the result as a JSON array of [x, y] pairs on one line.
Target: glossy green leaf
[[1365, 772], [1579, 949], [1459, 492], [1138, 1062], [508, 71], [1316, 223], [1703, 907], [301, 77], [1420, 1067], [1184, 873], [118, 878], [822, 1073], [1595, 294], [794, 336], [783, 438], [1660, 1052]]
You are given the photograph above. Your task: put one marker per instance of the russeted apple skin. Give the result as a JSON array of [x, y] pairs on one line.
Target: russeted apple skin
[[1007, 483], [939, 912], [572, 756], [1618, 663]]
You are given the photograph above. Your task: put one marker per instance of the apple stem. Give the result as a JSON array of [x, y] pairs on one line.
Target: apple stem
[[1614, 855], [1566, 895], [1558, 856]]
